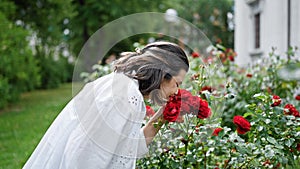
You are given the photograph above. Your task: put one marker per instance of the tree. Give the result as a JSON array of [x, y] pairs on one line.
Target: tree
[[209, 16], [213, 17], [93, 14], [18, 67], [47, 20]]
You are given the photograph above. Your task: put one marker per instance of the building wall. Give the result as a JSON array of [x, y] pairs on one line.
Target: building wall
[[295, 25], [241, 37], [273, 28]]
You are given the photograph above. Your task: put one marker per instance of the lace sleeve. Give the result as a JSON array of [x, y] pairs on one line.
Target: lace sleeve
[[136, 100]]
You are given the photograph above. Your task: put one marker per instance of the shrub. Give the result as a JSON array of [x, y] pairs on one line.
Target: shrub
[[18, 67], [54, 72], [254, 123]]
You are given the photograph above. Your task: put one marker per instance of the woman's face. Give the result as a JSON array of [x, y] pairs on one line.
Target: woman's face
[[170, 87]]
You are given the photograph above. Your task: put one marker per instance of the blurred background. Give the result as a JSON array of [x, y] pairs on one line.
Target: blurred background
[[40, 39]]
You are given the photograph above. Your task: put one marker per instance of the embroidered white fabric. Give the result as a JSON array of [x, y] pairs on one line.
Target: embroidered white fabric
[[99, 128]]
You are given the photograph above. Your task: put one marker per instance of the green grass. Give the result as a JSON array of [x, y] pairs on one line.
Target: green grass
[[23, 124]]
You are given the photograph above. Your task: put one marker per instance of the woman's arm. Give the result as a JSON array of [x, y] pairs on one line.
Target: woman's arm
[[150, 130]]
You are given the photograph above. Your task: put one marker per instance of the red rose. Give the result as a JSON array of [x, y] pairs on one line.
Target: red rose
[[243, 126], [297, 97], [197, 129], [195, 76], [195, 55], [276, 101], [185, 108], [230, 54], [193, 102], [277, 166], [289, 109], [149, 111], [184, 141], [266, 163], [208, 88], [183, 97], [204, 110], [222, 57], [228, 50], [231, 58], [171, 112], [184, 94], [298, 147], [217, 131], [183, 103], [249, 75]]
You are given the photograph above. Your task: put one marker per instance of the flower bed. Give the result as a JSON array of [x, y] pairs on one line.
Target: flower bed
[[228, 117], [253, 120]]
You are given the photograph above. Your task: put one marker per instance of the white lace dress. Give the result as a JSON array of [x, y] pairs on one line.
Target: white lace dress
[[99, 128]]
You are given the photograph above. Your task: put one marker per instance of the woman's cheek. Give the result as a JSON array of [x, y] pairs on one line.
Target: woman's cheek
[[173, 91]]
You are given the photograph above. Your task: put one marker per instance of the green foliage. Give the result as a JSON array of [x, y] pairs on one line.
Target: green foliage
[[91, 15], [23, 68], [272, 142], [209, 16], [259, 77], [18, 67], [54, 72], [47, 20]]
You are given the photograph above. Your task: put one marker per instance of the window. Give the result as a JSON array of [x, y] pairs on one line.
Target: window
[[257, 30]]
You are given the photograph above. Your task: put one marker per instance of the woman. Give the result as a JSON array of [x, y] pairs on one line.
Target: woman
[[101, 127]]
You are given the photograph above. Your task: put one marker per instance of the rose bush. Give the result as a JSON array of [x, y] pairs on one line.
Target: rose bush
[[254, 121], [250, 116]]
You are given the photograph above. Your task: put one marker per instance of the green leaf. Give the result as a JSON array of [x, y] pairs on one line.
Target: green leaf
[[251, 106], [260, 96], [242, 150], [279, 146], [248, 114], [289, 142], [272, 140], [221, 47]]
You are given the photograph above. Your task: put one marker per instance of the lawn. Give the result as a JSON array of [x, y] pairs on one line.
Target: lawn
[[23, 124]]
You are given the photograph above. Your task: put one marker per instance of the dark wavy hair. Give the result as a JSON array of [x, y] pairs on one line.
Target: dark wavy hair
[[151, 65]]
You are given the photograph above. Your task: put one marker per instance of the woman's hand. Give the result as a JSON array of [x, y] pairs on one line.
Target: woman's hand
[[150, 130]]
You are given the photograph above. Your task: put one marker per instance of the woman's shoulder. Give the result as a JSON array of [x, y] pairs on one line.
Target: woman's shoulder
[[117, 85]]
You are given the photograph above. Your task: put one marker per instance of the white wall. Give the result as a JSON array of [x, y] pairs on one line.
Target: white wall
[[295, 25], [241, 37], [273, 28]]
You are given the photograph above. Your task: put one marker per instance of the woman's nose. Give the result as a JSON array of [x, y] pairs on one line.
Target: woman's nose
[[176, 92]]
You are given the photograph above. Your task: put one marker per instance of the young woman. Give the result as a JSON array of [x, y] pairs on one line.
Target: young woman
[[101, 127]]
